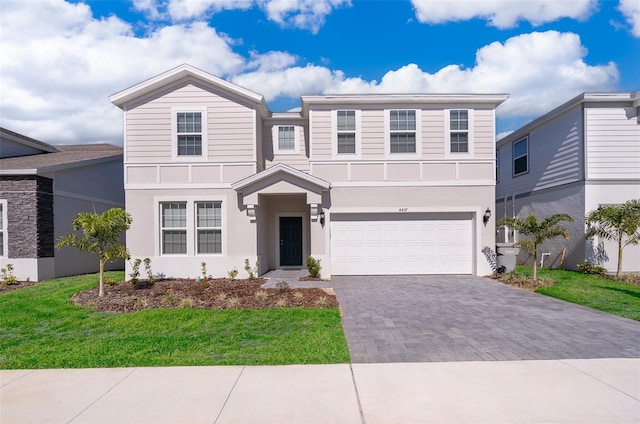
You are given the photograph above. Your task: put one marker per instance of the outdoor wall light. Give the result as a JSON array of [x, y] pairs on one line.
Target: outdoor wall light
[[322, 218], [486, 216]]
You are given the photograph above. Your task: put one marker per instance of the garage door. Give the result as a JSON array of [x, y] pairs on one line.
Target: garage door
[[384, 244]]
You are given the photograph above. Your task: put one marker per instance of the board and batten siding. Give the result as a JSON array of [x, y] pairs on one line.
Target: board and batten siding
[[230, 126], [555, 156], [613, 143]]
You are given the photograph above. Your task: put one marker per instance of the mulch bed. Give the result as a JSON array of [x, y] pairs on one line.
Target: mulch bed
[[19, 285], [212, 294], [522, 282]]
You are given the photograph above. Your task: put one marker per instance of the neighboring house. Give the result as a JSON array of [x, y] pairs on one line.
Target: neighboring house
[[42, 188], [579, 156], [368, 184]]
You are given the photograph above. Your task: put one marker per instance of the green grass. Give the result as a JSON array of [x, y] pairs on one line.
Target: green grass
[[41, 328], [589, 290]]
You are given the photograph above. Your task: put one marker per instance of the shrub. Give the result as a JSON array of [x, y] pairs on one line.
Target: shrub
[[282, 285], [6, 274], [135, 272], [313, 265], [147, 269], [203, 270], [233, 274], [253, 272], [110, 281], [187, 303], [586, 268], [261, 294]]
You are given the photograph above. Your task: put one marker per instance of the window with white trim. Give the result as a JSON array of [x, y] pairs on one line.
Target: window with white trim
[[459, 130], [173, 223], [346, 131], [189, 133], [520, 151], [3, 230], [402, 131], [209, 227], [286, 137]]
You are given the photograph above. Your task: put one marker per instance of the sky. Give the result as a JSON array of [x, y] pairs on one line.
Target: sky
[[61, 60]]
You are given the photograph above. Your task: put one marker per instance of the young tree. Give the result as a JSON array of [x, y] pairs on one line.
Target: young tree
[[100, 236], [620, 223], [537, 231]]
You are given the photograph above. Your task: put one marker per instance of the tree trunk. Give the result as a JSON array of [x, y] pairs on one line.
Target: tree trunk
[[619, 271], [535, 263], [101, 284]]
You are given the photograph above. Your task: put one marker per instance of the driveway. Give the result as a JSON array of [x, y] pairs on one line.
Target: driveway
[[467, 318]]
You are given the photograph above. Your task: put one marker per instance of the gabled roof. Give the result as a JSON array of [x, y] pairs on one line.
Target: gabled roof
[[185, 71], [26, 141], [602, 97], [285, 171], [64, 157]]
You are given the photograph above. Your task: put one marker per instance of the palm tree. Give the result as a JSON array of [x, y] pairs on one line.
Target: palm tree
[[101, 233], [619, 223], [537, 231]]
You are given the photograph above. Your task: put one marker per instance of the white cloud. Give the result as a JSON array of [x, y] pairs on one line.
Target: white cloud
[[503, 13], [60, 65], [631, 11], [539, 70], [303, 14], [196, 9]]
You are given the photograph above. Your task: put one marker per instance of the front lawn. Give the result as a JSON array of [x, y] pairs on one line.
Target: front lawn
[[589, 290], [41, 328]]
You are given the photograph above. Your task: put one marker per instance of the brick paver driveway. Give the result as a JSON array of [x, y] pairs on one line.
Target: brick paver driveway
[[466, 318]]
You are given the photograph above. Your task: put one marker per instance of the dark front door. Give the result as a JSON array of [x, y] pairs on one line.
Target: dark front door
[[290, 240]]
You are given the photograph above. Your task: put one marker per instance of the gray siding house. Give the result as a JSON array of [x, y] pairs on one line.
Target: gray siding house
[[579, 156], [368, 184], [42, 188]]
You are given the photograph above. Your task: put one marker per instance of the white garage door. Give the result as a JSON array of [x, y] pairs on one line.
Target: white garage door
[[384, 244]]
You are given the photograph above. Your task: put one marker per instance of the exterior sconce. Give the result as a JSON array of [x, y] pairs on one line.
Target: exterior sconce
[[486, 216], [322, 217]]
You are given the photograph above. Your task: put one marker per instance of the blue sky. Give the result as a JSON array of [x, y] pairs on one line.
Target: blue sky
[[61, 60]]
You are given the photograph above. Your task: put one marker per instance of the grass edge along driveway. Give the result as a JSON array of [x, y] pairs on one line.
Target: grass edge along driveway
[[604, 294], [41, 328]]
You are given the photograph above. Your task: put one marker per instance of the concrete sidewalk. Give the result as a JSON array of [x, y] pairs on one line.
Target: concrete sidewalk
[[554, 391]]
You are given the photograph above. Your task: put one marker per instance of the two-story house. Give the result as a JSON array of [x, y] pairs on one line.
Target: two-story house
[[574, 159], [42, 188], [368, 184]]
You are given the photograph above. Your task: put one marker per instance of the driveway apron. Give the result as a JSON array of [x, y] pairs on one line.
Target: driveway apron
[[468, 318]]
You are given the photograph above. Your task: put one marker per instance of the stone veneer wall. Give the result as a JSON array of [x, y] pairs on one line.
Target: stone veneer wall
[[29, 215]]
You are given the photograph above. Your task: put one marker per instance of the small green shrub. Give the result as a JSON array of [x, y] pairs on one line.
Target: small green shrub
[[135, 272], [586, 268], [233, 274], [6, 274], [252, 271], [313, 265], [261, 295], [203, 271], [110, 281], [147, 269], [187, 303], [233, 303]]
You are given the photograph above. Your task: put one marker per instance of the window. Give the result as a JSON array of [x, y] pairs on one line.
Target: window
[[346, 131], [459, 130], [521, 156], [286, 138], [189, 132], [402, 131], [209, 227], [174, 228], [3, 230]]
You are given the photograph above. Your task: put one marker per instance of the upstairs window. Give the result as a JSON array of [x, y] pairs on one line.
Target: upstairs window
[[286, 137], [346, 131], [189, 132], [459, 130], [209, 227], [520, 150], [402, 131], [174, 228]]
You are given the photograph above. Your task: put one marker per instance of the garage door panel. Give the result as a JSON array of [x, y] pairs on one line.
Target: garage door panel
[[401, 244]]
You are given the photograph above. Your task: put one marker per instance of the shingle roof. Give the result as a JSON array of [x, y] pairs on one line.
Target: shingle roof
[[65, 156]]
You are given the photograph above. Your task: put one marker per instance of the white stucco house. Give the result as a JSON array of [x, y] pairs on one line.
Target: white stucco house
[[368, 184], [579, 156], [42, 188]]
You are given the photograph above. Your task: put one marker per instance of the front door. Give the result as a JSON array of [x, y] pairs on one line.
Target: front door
[[290, 241]]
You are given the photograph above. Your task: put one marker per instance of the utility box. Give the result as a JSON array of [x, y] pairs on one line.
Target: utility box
[[506, 257]]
